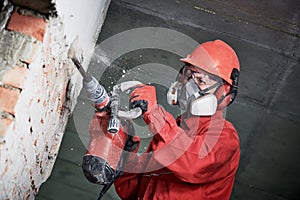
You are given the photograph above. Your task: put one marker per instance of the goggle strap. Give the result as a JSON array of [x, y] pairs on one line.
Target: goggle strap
[[209, 88]]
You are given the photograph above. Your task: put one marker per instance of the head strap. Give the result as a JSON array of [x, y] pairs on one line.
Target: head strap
[[233, 88]]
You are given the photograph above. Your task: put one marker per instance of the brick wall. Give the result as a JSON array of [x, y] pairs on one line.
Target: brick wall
[[38, 90]]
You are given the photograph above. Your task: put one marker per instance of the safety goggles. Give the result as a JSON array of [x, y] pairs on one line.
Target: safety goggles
[[186, 73]]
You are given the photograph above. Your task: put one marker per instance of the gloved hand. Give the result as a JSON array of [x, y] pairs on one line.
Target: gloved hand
[[132, 144], [143, 96]]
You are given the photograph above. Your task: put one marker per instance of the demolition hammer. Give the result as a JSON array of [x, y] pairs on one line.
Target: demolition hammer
[[108, 152]]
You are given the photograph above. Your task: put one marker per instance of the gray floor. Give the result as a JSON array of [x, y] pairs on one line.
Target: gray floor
[[265, 35]]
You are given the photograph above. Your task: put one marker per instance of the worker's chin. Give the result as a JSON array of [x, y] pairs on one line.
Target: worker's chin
[[97, 170]]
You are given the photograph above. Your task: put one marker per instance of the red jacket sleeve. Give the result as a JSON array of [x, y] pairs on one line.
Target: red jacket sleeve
[[207, 152]]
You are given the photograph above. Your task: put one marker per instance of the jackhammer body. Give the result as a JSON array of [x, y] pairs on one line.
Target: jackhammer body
[[107, 151]]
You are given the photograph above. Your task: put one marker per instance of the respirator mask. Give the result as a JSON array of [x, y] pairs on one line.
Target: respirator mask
[[185, 93]]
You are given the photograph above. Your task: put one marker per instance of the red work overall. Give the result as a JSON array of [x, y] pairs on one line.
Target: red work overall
[[196, 160]]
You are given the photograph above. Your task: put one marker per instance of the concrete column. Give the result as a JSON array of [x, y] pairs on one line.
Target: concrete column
[[39, 85]]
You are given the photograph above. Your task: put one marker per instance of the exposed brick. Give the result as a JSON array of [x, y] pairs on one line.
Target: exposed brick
[[29, 25], [15, 77], [8, 99], [4, 125]]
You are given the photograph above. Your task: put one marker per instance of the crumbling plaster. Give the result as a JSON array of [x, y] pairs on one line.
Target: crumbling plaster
[[39, 86]]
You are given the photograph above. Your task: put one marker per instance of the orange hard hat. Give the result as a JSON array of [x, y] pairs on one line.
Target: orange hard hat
[[215, 57]]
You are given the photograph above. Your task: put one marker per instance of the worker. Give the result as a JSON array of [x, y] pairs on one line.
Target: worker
[[197, 155]]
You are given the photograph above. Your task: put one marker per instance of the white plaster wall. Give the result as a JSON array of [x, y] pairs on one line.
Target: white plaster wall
[[83, 19], [49, 95]]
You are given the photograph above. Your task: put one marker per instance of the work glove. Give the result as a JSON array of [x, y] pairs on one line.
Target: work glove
[[133, 141], [132, 144], [143, 96]]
